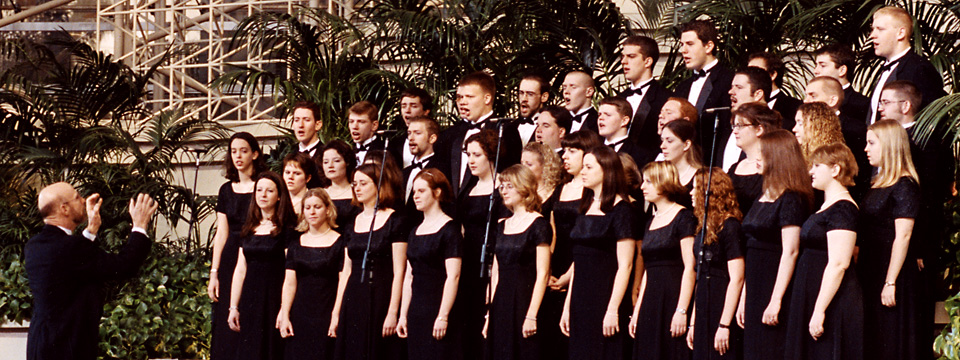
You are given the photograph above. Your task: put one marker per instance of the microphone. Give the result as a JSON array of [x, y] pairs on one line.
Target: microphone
[[503, 120], [388, 131], [716, 109]]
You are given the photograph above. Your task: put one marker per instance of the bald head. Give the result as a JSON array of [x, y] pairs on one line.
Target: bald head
[[61, 205], [578, 90], [824, 89]]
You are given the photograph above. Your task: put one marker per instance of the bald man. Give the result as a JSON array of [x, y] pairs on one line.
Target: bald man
[[828, 90], [578, 91], [66, 271], [890, 36]]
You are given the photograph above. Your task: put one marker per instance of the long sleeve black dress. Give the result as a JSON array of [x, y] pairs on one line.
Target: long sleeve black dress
[[595, 239], [517, 268], [713, 277], [318, 274], [663, 263], [842, 337], [223, 341], [365, 304], [892, 332], [427, 255], [261, 294], [762, 228]]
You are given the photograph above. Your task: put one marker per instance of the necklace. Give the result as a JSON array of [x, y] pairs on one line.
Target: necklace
[[659, 212]]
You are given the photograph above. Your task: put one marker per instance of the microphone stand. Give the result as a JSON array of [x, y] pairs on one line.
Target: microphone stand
[[485, 250], [366, 277], [193, 210], [703, 262]]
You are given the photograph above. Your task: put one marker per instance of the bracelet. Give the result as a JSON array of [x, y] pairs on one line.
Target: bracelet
[[690, 326], [530, 318], [213, 270], [233, 308], [889, 284], [612, 313], [723, 326], [682, 311], [442, 318], [487, 316]]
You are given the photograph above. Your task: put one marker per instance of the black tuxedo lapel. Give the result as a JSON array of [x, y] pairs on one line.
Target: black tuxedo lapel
[[643, 127]]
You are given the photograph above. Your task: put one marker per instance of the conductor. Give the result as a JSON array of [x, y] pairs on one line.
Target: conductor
[[66, 271]]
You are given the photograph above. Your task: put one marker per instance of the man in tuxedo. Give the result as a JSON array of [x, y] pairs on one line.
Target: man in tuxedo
[[306, 128], [750, 85], [892, 28], [67, 271], [777, 100], [708, 87], [613, 121], [553, 125], [475, 95], [829, 91], [838, 61], [421, 135], [578, 91], [413, 102], [645, 95], [362, 121], [534, 91]]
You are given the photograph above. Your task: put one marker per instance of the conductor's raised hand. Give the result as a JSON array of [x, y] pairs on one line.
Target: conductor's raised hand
[[142, 208], [93, 213]]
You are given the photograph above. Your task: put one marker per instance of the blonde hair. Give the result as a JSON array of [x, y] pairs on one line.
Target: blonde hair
[[899, 15], [665, 178], [549, 161], [839, 155], [525, 183], [321, 194], [821, 126], [896, 160]]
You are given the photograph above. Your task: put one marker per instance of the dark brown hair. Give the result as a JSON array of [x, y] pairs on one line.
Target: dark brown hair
[[305, 163], [436, 180], [426, 101], [783, 166], [623, 106], [259, 164], [705, 31], [487, 139], [346, 152], [908, 91], [386, 193], [367, 108], [481, 79], [759, 115], [758, 79], [614, 181], [772, 63], [313, 107], [283, 215], [841, 55], [648, 46]]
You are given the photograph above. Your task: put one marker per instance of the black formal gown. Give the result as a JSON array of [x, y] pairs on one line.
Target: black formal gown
[[594, 239], [748, 188], [318, 273], [346, 214], [427, 255], [551, 309], [762, 232], [663, 264], [365, 304], [842, 336], [224, 342], [471, 293], [890, 331], [260, 295], [517, 268], [713, 277]]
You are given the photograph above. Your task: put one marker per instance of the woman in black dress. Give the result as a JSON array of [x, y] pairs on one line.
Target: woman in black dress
[[603, 248], [772, 234], [750, 121], [887, 261], [546, 167], [521, 265], [471, 209], [564, 209], [660, 316], [371, 300], [826, 316], [712, 334], [242, 164], [677, 143], [338, 167], [433, 271], [258, 277], [312, 286]]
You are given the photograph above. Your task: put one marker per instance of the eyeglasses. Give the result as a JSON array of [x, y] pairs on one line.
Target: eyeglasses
[[885, 102], [505, 186], [741, 126]]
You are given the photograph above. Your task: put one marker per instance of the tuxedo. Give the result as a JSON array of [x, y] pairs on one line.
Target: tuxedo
[[918, 70], [66, 275], [412, 216], [855, 135], [372, 144], [714, 94], [587, 119], [316, 154], [787, 106], [639, 154], [449, 147], [643, 125], [526, 129], [398, 146], [855, 104]]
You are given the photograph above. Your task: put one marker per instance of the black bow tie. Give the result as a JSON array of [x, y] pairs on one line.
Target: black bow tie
[[631, 91], [475, 126], [889, 66], [579, 118], [524, 120], [700, 73], [618, 142], [362, 147], [418, 165]]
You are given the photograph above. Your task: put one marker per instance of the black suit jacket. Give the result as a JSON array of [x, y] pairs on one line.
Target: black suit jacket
[[918, 70], [449, 146], [855, 105], [715, 94], [66, 275], [318, 160], [855, 135], [787, 106], [376, 144], [590, 120], [643, 126], [934, 167], [412, 216], [640, 155]]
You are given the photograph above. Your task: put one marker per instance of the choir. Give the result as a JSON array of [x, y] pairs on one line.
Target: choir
[[758, 227]]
